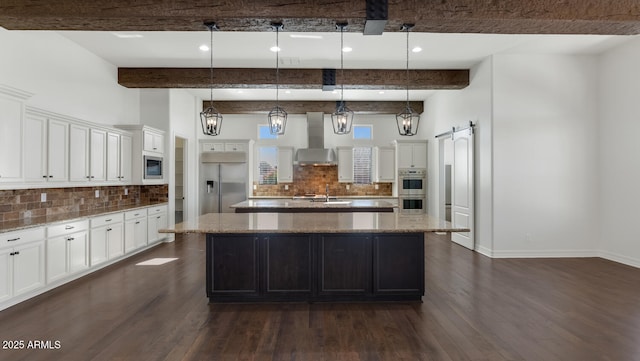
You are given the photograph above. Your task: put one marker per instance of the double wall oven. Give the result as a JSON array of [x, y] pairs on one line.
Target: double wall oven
[[412, 192]]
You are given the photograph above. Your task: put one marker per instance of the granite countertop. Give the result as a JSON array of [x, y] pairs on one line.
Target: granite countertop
[[308, 197], [25, 223], [339, 222], [308, 204]]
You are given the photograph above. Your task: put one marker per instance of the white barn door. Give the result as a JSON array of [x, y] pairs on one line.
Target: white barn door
[[462, 194]]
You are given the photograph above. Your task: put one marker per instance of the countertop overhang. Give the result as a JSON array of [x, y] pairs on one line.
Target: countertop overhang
[[316, 204], [339, 222]]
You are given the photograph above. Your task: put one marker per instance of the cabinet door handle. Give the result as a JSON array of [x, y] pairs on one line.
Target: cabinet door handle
[[12, 254], [138, 222], [13, 239], [69, 227], [88, 177], [44, 176], [92, 176], [50, 176], [108, 220], [109, 229], [16, 253], [158, 217], [137, 214], [70, 239]]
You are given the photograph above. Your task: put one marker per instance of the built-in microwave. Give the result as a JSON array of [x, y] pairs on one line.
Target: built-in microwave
[[152, 167]]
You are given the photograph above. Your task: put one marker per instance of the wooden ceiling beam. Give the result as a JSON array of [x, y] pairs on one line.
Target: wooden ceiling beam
[[290, 78], [302, 107], [620, 17]]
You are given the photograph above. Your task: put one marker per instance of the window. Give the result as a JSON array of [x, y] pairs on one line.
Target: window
[[264, 133], [268, 165], [362, 165], [362, 132]]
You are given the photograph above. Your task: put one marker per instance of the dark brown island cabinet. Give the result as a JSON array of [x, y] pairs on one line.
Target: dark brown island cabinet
[[322, 267]]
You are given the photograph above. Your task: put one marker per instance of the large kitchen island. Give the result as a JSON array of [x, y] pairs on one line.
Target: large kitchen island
[[316, 257]]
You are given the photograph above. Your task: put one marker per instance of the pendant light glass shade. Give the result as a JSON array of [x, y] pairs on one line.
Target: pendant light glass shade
[[342, 118], [277, 115], [210, 118], [407, 120]]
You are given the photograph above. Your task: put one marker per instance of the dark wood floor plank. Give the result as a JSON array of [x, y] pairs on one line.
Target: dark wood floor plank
[[474, 308]]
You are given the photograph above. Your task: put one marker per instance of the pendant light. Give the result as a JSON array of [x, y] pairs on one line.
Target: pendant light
[[342, 118], [277, 115], [210, 118], [407, 120]]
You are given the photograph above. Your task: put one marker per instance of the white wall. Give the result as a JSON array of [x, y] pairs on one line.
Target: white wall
[[545, 148], [619, 171], [65, 78], [447, 109]]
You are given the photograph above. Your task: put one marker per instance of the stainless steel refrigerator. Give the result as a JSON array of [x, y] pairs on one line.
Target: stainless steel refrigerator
[[223, 181]]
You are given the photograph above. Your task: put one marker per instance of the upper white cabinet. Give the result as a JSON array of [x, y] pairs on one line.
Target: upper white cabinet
[[98, 156], [384, 163], [212, 147], [11, 115], [113, 157], [78, 153], [345, 164], [45, 149], [412, 155], [126, 153], [285, 164], [153, 141]]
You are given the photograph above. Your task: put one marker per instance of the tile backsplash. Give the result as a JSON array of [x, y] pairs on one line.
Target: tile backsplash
[[313, 180], [26, 203]]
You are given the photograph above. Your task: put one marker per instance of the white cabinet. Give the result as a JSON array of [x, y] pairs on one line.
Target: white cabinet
[[126, 153], [98, 156], [212, 147], [11, 114], [412, 155], [285, 164], [345, 164], [113, 157], [107, 238], [46, 149], [67, 249], [153, 141], [384, 163], [78, 153], [22, 264], [235, 147], [157, 219], [135, 230]]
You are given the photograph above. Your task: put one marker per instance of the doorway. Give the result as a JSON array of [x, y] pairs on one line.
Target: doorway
[[180, 175], [456, 176]]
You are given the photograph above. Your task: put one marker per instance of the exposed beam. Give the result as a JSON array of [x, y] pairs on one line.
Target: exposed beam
[[301, 107], [452, 16], [290, 78]]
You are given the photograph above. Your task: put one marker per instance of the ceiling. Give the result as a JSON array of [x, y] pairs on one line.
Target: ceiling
[[321, 50]]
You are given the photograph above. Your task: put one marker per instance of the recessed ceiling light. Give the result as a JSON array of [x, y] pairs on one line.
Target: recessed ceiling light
[[347, 49], [127, 36], [204, 47], [304, 36], [275, 49], [416, 49]]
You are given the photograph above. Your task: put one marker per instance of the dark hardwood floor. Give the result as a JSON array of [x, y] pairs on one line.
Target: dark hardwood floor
[[475, 308]]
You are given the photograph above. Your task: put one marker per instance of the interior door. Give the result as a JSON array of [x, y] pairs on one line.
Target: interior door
[[462, 194]]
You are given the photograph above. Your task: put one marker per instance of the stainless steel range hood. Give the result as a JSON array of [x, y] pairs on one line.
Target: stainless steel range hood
[[316, 153]]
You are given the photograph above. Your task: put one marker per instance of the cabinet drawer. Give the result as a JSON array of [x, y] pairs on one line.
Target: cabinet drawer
[[234, 147], [67, 228], [212, 147], [105, 220], [11, 239], [156, 210], [136, 213]]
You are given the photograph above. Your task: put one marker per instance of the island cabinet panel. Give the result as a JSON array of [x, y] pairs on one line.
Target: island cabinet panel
[[232, 265], [345, 264], [398, 264], [288, 262]]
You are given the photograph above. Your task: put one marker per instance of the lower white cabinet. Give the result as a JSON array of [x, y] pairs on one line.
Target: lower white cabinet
[[135, 230], [107, 238], [67, 249], [157, 219], [22, 265]]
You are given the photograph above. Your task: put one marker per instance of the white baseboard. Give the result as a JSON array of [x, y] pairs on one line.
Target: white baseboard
[[633, 262], [484, 251], [556, 253]]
